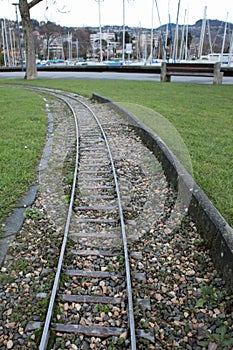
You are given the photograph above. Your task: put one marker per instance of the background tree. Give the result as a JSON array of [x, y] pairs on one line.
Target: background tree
[[82, 36], [24, 8], [1, 59], [50, 31]]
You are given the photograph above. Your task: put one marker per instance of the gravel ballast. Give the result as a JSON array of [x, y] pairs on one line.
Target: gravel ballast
[[183, 301]]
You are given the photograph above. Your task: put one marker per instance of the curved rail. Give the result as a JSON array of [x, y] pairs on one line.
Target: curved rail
[[127, 266], [45, 334], [46, 329]]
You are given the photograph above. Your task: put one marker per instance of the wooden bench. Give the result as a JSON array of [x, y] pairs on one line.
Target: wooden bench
[[191, 69]]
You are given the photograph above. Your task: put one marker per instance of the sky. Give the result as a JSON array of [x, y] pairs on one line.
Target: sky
[[144, 13]]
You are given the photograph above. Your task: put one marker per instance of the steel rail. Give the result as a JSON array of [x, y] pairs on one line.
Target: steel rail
[[45, 333], [123, 231]]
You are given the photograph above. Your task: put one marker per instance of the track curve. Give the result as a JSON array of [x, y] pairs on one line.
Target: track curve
[[94, 172], [171, 272]]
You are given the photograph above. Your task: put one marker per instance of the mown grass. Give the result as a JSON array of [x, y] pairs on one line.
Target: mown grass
[[23, 124], [199, 117]]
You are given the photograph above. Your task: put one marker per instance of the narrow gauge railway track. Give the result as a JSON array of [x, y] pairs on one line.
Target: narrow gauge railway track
[[96, 230], [178, 297]]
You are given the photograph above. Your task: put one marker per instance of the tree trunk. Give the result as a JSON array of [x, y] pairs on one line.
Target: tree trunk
[[24, 8]]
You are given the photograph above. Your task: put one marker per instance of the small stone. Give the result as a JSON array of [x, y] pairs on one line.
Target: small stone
[[158, 297], [190, 273], [9, 344], [10, 325], [212, 346], [172, 294], [123, 335], [20, 331], [66, 306], [104, 268], [217, 311], [78, 307], [9, 312], [140, 266]]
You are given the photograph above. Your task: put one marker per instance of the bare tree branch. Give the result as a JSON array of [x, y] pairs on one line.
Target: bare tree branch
[[33, 3]]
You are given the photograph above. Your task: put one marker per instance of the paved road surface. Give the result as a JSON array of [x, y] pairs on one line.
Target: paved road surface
[[113, 76]]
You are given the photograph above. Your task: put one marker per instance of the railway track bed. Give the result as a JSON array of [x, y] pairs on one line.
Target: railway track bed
[[178, 299]]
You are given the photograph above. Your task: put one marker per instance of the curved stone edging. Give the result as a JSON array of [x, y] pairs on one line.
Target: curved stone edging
[[209, 222]]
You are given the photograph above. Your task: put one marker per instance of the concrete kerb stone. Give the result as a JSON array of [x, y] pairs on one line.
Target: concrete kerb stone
[[210, 224], [14, 222]]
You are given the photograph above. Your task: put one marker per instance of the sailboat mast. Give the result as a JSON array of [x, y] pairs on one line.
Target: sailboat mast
[[100, 32], [181, 55], [3, 43], [123, 34], [230, 50], [6, 42], [186, 43], [164, 40], [210, 43], [152, 32], [186, 38], [176, 34], [224, 38], [165, 43], [202, 34]]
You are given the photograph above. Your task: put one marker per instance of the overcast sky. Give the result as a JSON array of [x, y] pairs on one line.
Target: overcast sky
[[79, 13]]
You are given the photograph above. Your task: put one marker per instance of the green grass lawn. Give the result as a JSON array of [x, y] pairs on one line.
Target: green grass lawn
[[190, 117], [23, 126]]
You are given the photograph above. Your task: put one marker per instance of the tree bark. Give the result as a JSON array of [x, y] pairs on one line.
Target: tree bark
[[24, 8]]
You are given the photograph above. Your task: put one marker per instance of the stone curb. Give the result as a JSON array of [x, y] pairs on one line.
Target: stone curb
[[213, 228]]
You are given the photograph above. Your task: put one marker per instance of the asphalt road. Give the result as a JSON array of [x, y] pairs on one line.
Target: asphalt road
[[112, 76]]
